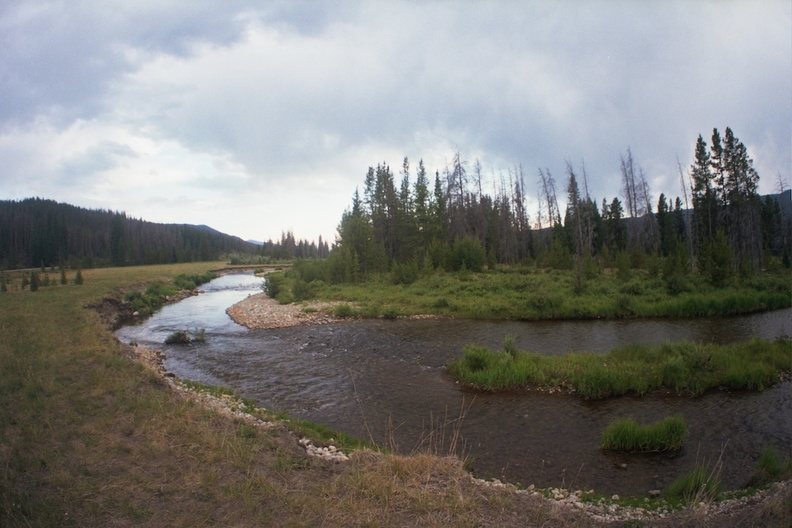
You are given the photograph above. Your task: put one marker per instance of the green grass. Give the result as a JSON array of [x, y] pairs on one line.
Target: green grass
[[685, 368], [625, 434], [147, 300], [770, 467], [528, 293], [698, 485]]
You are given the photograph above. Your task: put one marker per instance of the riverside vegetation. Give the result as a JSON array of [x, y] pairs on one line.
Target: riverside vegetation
[[685, 368], [625, 434], [531, 293], [89, 437]]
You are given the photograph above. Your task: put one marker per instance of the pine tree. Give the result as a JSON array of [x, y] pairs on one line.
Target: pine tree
[[743, 221]]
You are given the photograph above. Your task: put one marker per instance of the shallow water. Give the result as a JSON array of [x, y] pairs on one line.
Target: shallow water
[[386, 381]]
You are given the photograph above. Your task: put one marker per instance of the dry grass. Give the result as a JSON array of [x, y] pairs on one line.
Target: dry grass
[[90, 438]]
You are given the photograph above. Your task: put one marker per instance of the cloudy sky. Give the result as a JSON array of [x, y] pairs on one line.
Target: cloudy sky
[[256, 117]]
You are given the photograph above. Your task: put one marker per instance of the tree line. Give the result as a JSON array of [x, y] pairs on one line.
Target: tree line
[[36, 233], [719, 226]]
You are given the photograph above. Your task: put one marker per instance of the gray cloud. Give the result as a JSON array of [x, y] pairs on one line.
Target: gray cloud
[[288, 95]]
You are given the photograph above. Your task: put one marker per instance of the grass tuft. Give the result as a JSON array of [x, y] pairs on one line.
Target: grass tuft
[[625, 434], [698, 485]]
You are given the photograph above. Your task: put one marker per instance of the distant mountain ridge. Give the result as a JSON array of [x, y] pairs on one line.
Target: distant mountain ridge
[[39, 232]]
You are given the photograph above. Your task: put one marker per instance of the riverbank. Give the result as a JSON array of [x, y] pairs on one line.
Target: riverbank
[[261, 311], [563, 505]]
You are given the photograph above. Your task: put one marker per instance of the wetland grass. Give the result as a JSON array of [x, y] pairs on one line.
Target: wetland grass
[[685, 368], [625, 434], [531, 293], [698, 485]]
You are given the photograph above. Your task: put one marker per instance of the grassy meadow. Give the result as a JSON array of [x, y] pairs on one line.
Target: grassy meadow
[[529, 293]]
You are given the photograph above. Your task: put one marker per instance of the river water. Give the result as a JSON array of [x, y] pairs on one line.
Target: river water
[[385, 380]]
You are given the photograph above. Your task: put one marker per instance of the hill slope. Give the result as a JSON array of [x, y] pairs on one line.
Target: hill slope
[[36, 232]]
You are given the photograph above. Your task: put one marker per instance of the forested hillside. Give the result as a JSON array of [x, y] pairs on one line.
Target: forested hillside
[[36, 232]]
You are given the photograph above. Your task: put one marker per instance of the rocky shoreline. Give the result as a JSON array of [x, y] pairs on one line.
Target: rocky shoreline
[[261, 311]]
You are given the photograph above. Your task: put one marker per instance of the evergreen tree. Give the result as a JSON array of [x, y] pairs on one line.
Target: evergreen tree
[[743, 221]]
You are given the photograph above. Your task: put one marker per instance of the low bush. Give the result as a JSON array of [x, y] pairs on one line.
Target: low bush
[[183, 337], [303, 291], [344, 311], [273, 284], [625, 434], [184, 281]]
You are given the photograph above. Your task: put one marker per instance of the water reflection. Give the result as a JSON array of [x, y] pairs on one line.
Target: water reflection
[[386, 379]]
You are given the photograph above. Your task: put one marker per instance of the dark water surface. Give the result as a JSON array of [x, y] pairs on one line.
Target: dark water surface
[[385, 380]]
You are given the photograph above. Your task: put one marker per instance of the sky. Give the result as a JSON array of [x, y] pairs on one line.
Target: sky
[[257, 118]]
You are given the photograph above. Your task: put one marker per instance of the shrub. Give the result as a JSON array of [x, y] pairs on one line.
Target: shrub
[[302, 290], [273, 284], [390, 313], [468, 254], [545, 302], [343, 311], [406, 273], [190, 282], [180, 337], [441, 302], [159, 290], [632, 287]]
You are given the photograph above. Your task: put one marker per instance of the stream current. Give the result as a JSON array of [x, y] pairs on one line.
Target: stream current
[[385, 380]]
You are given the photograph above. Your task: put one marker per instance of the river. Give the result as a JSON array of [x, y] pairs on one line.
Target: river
[[385, 380]]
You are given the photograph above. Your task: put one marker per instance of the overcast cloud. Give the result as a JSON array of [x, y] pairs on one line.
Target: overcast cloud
[[258, 117]]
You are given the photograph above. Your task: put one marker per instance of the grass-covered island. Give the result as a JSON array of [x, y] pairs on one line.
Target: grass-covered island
[[685, 368], [531, 293]]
